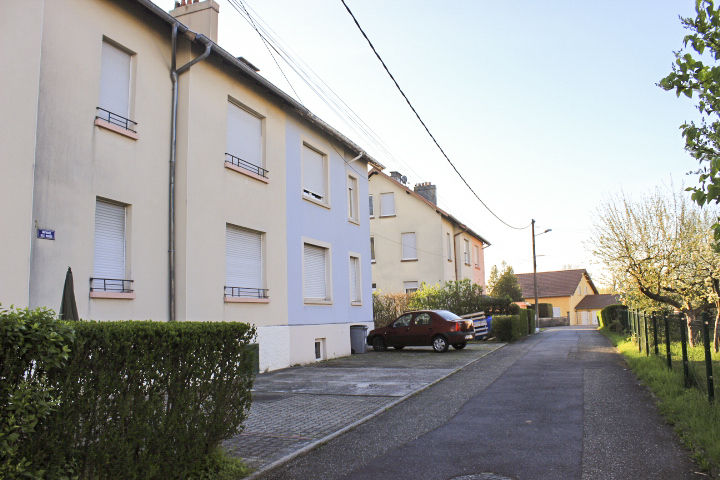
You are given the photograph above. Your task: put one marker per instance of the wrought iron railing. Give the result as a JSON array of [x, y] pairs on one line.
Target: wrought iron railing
[[244, 292], [115, 285], [239, 162], [116, 119]]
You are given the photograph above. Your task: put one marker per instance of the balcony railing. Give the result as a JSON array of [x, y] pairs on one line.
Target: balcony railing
[[110, 285], [239, 162], [244, 292], [116, 119]]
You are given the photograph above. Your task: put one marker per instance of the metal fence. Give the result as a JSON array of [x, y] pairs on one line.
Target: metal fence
[[666, 335]]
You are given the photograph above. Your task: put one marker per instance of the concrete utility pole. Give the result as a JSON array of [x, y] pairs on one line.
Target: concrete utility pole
[[537, 312]]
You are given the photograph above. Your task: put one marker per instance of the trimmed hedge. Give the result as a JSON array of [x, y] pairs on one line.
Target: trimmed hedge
[[144, 400], [615, 317], [528, 317], [545, 309], [508, 328], [32, 342]]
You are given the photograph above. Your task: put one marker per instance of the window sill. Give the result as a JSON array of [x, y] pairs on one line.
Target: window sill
[[115, 295], [356, 304], [409, 260], [467, 264], [449, 260], [247, 173], [316, 202], [354, 222], [246, 300], [114, 128], [372, 217], [387, 216], [317, 301], [373, 261]]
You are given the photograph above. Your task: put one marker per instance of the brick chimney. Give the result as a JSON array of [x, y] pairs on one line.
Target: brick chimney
[[428, 191], [198, 16]]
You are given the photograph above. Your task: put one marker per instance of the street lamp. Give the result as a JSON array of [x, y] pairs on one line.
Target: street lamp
[[537, 312]]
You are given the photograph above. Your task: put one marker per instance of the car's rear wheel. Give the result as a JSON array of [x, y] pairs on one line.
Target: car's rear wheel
[[379, 344], [399, 347], [459, 346], [439, 344]]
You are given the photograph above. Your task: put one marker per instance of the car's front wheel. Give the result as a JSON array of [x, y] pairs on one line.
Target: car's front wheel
[[459, 346], [379, 344], [439, 344]]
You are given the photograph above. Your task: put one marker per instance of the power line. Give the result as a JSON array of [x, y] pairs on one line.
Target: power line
[[423, 123]]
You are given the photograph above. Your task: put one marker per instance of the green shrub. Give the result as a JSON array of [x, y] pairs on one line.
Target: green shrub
[[149, 400], [387, 307], [32, 342], [545, 310], [508, 328], [614, 317], [528, 318]]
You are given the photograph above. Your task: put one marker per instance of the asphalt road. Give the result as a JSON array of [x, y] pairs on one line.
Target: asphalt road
[[558, 405]]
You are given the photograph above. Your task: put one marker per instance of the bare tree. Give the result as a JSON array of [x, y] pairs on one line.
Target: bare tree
[[659, 249]]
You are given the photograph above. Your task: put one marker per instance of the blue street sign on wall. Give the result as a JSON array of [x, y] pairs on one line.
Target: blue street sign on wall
[[46, 234]]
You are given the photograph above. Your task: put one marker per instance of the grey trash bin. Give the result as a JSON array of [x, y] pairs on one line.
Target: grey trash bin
[[358, 333]]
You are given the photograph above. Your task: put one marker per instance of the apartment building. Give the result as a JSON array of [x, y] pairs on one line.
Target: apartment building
[[413, 241], [175, 180]]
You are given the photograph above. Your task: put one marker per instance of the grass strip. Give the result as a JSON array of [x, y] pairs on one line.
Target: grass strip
[[696, 421]]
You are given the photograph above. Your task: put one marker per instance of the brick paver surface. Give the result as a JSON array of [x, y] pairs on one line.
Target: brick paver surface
[[296, 407]]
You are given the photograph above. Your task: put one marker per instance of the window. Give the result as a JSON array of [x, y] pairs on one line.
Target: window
[[374, 287], [423, 319], [466, 251], [316, 273], [355, 282], [244, 141], [109, 269], [372, 249], [352, 184], [387, 204], [314, 175], [449, 248], [115, 77], [408, 246], [319, 349], [243, 265], [403, 321], [477, 256], [372, 207], [410, 287]]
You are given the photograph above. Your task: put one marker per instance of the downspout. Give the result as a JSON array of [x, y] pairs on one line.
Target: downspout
[[174, 74], [356, 158]]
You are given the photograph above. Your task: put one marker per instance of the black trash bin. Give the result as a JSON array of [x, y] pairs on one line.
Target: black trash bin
[[358, 333]]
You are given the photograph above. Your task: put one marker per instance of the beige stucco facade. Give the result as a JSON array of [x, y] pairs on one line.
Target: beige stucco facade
[[58, 160], [567, 304], [440, 241]]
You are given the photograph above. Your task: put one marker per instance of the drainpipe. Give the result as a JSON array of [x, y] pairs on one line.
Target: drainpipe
[[174, 74], [356, 158]]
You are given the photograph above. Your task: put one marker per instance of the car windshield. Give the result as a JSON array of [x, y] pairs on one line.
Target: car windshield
[[447, 315]]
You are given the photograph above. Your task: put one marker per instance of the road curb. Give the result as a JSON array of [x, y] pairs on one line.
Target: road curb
[[327, 438]]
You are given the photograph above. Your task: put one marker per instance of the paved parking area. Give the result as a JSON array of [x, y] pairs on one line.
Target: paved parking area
[[296, 408]]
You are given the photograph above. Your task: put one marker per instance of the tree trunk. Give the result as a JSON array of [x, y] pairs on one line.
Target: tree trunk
[[716, 341], [690, 329]]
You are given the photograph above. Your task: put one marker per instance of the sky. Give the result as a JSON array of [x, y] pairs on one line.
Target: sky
[[546, 108]]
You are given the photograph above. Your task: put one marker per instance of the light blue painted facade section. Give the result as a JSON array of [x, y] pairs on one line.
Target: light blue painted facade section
[[309, 220]]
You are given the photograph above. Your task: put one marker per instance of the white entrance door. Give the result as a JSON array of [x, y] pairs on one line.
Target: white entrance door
[[585, 318], [594, 317]]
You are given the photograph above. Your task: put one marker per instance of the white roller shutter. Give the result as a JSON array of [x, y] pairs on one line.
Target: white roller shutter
[[115, 80], [109, 255], [313, 174], [387, 204], [408, 246], [315, 272], [243, 259], [354, 284], [411, 287], [244, 139]]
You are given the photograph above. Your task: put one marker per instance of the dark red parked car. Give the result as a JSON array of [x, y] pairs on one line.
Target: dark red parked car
[[436, 328]]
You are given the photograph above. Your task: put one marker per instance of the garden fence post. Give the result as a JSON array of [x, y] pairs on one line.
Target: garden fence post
[[667, 340], [683, 341], [708, 358], [655, 341], [647, 337]]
